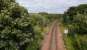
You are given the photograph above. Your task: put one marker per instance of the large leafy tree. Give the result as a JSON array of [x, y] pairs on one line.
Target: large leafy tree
[[16, 28]]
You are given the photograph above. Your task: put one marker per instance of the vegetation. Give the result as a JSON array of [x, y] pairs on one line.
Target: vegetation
[[19, 30], [75, 19]]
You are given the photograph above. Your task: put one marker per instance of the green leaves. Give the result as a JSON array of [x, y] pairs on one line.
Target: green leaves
[[20, 29], [15, 26], [76, 20], [78, 16]]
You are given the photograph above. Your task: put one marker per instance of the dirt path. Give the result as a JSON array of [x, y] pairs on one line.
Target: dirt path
[[53, 39]]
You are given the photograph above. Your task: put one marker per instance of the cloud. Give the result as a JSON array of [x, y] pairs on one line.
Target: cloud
[[51, 6]]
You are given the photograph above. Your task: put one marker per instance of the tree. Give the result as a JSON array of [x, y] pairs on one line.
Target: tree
[[77, 17], [16, 30]]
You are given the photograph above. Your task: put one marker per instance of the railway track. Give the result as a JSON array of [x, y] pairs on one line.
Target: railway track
[[54, 39]]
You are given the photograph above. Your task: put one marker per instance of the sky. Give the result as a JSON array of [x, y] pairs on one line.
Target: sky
[[50, 6]]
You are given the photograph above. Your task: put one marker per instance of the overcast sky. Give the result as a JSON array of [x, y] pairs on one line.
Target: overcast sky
[[51, 6]]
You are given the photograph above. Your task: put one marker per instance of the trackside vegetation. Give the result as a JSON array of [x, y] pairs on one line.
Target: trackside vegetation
[[75, 19]]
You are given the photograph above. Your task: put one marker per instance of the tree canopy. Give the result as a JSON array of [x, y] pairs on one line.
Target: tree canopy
[[16, 27], [77, 18]]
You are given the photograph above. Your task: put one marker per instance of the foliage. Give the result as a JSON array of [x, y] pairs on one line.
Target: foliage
[[18, 29], [76, 20]]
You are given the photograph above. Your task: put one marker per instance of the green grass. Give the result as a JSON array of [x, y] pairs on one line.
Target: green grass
[[68, 43], [76, 43]]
